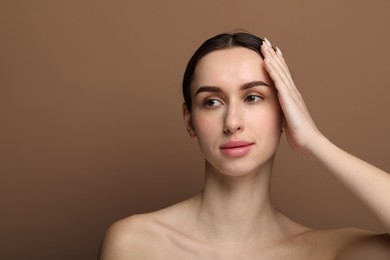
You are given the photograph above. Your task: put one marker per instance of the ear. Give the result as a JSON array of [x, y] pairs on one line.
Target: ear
[[188, 121], [283, 124]]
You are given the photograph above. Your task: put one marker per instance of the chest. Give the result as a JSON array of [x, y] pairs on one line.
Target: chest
[[196, 250]]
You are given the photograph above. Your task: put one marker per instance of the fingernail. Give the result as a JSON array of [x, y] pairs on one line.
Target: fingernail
[[279, 51], [267, 42]]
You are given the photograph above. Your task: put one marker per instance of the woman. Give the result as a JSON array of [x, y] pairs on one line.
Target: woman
[[239, 99]]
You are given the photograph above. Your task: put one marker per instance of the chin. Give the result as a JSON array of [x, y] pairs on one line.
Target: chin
[[239, 168]]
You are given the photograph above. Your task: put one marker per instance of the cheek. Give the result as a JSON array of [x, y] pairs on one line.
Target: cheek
[[206, 129], [205, 124], [269, 121]]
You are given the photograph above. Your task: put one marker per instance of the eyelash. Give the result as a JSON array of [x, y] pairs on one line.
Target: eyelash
[[207, 101], [257, 97]]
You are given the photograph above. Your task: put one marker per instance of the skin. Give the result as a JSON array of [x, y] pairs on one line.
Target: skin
[[232, 217]]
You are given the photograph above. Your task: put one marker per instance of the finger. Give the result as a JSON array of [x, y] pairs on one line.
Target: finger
[[281, 83], [278, 51], [278, 64], [277, 54], [282, 80], [277, 68]]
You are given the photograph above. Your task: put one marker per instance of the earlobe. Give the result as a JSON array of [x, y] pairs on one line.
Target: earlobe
[[188, 121], [283, 125]]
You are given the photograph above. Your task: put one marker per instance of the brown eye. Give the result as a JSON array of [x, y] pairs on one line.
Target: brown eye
[[253, 98], [211, 102]]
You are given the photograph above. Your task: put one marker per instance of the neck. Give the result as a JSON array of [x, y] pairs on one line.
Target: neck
[[237, 208]]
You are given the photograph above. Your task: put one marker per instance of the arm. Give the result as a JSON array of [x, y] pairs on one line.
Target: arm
[[367, 183]]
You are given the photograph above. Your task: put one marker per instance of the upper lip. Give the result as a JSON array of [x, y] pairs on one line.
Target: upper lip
[[235, 143]]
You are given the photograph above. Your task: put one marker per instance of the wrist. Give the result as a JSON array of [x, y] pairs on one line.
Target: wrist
[[318, 145]]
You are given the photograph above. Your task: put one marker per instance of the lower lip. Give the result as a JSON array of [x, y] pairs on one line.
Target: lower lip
[[237, 151]]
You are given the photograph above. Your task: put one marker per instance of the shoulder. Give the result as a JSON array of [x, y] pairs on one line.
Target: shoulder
[[361, 244], [344, 244], [144, 236], [349, 243], [132, 238]]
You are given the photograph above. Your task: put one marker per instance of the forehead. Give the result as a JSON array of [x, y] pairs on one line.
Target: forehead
[[233, 66]]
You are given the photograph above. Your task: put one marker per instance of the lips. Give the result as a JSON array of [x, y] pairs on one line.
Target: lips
[[236, 148]]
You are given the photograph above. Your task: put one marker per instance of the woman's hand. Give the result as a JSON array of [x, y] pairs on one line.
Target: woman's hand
[[367, 183], [301, 132]]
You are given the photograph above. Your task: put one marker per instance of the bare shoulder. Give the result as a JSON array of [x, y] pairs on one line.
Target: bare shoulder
[[132, 238], [143, 236], [348, 243], [361, 244], [344, 244]]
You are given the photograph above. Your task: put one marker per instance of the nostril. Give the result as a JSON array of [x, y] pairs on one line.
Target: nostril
[[233, 120], [232, 130]]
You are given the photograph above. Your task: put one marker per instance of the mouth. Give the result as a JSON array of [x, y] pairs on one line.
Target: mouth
[[236, 148]]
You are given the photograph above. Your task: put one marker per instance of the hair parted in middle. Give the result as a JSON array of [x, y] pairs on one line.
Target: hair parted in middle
[[218, 42]]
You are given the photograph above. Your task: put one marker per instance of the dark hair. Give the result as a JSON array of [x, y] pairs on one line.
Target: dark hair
[[219, 42]]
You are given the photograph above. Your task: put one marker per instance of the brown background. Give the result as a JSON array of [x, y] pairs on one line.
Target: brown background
[[91, 128]]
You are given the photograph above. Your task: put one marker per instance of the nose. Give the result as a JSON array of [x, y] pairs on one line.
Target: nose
[[234, 121]]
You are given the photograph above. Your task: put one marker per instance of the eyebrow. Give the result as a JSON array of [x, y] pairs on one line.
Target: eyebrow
[[247, 85]]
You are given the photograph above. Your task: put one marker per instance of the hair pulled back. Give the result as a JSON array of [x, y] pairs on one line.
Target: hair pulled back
[[218, 42]]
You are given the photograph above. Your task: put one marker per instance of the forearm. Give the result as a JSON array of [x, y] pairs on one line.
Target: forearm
[[367, 183]]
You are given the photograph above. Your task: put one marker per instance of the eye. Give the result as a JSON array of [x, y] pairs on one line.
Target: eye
[[253, 98], [211, 102]]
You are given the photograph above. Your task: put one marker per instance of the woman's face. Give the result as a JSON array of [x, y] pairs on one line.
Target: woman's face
[[236, 116]]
